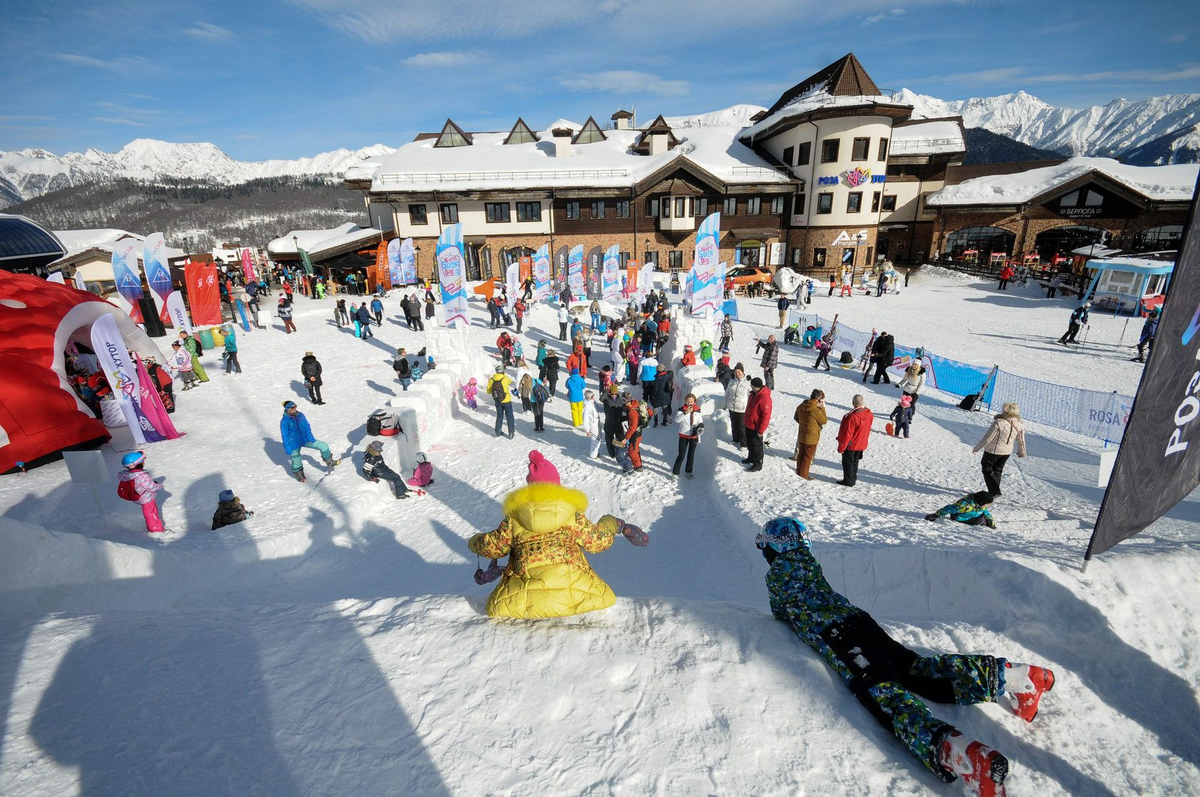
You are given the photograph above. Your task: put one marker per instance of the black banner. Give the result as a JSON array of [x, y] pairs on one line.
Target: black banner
[[1158, 464], [560, 270], [595, 262]]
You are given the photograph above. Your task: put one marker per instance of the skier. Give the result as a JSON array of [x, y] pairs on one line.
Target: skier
[[591, 424], [1146, 339], [374, 469], [847, 283], [363, 316], [135, 484], [691, 425], [970, 509], [180, 363], [297, 434], [310, 369], [499, 387], [1006, 274], [1079, 318], [542, 534], [422, 474], [810, 416], [1006, 433], [229, 510], [575, 389], [888, 678], [377, 309], [854, 433], [883, 353], [770, 359], [757, 419], [737, 395], [824, 346]]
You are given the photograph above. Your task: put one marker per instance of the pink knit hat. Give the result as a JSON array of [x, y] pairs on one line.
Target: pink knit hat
[[541, 469], [905, 401]]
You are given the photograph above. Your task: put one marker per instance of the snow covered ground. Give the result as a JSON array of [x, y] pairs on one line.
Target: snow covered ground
[[335, 643]]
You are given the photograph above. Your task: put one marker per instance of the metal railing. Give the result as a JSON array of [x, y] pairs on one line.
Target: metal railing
[[903, 146], [760, 171], [541, 174]]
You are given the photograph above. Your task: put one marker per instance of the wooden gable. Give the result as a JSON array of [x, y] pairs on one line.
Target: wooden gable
[[520, 134], [452, 136], [590, 133]]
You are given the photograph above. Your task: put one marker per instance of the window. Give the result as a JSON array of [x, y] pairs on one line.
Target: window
[[675, 258], [829, 150], [529, 211], [597, 208], [1070, 200], [859, 151], [883, 144], [825, 203], [854, 202], [700, 207], [777, 205], [666, 208], [796, 251], [819, 258], [417, 214], [624, 260], [497, 212], [804, 154], [573, 210], [729, 206], [652, 208], [798, 205], [788, 154], [450, 214], [622, 208], [652, 258], [680, 207], [753, 206], [1093, 200], [889, 203], [875, 202]]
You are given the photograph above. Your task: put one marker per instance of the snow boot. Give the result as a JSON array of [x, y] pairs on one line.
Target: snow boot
[[299, 475], [332, 463], [981, 768], [1024, 685]]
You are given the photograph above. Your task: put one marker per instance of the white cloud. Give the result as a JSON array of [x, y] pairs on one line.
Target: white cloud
[[248, 137], [1178, 38], [122, 63], [112, 121], [208, 32], [146, 97], [442, 59], [22, 118], [625, 82], [1190, 72], [891, 13]]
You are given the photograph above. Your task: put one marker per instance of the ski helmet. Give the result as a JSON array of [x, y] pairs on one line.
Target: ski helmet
[[782, 534], [133, 459]]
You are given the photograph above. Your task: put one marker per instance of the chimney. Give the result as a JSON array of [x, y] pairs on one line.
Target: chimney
[[562, 141], [621, 120], [658, 143]]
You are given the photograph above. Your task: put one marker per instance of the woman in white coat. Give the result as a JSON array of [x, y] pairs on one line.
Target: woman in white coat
[[913, 382], [1006, 433], [591, 423], [691, 424]]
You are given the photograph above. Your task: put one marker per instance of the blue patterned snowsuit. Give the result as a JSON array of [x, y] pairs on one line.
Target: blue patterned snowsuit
[[884, 675]]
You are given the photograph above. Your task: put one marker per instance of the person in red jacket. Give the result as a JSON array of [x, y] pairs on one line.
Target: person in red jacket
[[578, 361], [852, 438], [633, 433], [1006, 274], [756, 419], [505, 344]]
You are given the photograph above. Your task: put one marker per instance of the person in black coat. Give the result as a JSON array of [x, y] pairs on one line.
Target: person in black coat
[[310, 369], [363, 316], [883, 352], [614, 418], [406, 308], [551, 365]]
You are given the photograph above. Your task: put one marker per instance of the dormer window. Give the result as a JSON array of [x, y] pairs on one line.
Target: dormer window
[[452, 136]]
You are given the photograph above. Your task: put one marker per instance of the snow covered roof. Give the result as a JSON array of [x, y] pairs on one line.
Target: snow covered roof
[[1136, 265], [935, 137], [490, 164], [820, 100], [104, 239], [317, 242], [1160, 183]]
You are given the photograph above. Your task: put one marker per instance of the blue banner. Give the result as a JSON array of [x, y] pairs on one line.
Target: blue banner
[[575, 279], [541, 273], [705, 280], [408, 262], [395, 270], [451, 276], [125, 269]]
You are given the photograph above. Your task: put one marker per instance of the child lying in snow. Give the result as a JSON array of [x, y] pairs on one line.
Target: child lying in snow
[[970, 509], [888, 678]]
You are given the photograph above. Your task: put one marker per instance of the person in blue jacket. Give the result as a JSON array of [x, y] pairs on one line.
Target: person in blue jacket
[[363, 317], [647, 374], [377, 309], [575, 387], [297, 434], [970, 509]]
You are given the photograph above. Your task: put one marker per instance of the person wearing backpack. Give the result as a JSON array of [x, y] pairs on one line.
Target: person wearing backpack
[[691, 424], [195, 349], [538, 397], [499, 387], [135, 484], [403, 368], [310, 369]]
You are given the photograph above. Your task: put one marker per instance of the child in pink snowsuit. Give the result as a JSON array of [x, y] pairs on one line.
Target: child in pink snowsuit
[[423, 475], [143, 486], [470, 391]]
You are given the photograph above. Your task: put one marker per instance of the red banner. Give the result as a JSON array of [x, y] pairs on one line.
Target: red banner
[[631, 278], [382, 273], [526, 268], [204, 295]]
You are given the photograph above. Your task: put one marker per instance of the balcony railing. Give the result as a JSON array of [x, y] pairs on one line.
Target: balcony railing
[[919, 145], [459, 177]]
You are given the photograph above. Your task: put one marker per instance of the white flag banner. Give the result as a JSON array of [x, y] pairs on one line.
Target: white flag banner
[[178, 312]]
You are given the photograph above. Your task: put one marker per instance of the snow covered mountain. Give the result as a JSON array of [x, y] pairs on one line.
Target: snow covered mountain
[[33, 172], [1101, 131], [733, 116]]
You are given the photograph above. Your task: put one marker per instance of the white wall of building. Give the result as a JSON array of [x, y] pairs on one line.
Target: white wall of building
[[472, 214]]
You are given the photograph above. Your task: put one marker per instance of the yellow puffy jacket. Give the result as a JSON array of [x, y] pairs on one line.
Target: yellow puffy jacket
[[544, 534]]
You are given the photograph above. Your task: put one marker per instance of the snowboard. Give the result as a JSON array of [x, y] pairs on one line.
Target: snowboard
[[241, 306]]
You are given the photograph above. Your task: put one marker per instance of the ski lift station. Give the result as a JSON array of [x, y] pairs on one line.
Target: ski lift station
[[1128, 284]]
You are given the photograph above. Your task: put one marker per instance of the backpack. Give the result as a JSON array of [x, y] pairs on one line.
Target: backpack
[[402, 367], [644, 413], [540, 393], [375, 422], [497, 389], [382, 422], [126, 490]]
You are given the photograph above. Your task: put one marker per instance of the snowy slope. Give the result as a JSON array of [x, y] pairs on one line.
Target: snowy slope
[[335, 642], [734, 115], [1102, 130], [33, 172]]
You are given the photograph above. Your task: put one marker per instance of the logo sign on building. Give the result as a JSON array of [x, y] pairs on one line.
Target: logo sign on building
[[541, 273], [846, 238], [853, 178], [451, 270]]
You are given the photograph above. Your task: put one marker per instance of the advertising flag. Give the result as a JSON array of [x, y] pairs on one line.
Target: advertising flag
[[204, 295], [610, 280], [177, 312], [395, 270], [408, 262], [526, 268], [631, 279], [122, 376], [57, 277], [575, 280], [158, 276], [541, 273], [126, 271], [705, 280], [1158, 463], [451, 276], [513, 279], [152, 406], [79, 283], [247, 266], [561, 259], [645, 281], [308, 266], [595, 263]]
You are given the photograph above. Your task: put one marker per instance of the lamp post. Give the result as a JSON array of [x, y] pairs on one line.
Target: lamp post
[[417, 262], [646, 252]]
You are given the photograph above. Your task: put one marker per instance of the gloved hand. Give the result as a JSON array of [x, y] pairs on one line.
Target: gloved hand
[[634, 534], [493, 572], [932, 516]]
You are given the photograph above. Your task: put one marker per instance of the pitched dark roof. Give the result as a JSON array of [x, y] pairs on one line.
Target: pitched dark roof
[[658, 126], [957, 172], [622, 114], [589, 133], [520, 134], [452, 136], [844, 77]]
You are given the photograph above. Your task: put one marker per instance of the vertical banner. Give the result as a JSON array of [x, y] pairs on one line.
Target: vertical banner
[[247, 266], [395, 270], [177, 312], [308, 266], [79, 283], [541, 273], [645, 281], [705, 279], [575, 279], [451, 276], [122, 376], [595, 262], [158, 276], [1158, 463], [382, 274], [610, 280], [561, 259], [152, 406], [57, 277], [526, 264], [408, 262], [126, 273], [204, 295], [631, 279], [512, 278]]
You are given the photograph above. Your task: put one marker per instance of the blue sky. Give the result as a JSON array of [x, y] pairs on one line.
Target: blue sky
[[289, 78]]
